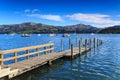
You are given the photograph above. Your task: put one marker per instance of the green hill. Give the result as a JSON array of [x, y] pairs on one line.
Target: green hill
[[31, 27], [111, 30]]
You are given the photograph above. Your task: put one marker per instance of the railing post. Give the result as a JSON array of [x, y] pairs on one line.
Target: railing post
[[2, 59], [27, 52], [80, 46], [71, 51], [15, 55], [51, 46], [85, 44], [45, 50], [37, 54]]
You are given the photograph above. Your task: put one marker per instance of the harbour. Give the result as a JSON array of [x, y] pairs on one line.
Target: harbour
[[88, 53]]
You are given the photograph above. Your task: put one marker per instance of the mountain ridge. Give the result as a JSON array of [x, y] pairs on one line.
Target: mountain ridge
[[111, 30], [32, 27]]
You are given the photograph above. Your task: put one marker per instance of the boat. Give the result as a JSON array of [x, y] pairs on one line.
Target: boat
[[39, 34], [66, 35], [92, 33], [12, 34], [25, 35], [52, 34]]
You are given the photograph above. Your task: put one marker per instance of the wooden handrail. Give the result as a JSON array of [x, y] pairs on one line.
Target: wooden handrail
[[27, 50], [24, 55]]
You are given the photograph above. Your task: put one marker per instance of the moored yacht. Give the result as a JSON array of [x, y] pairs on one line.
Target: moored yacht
[[66, 35], [52, 34], [25, 35]]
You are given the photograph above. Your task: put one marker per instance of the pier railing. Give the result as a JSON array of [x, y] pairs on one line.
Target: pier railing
[[36, 51]]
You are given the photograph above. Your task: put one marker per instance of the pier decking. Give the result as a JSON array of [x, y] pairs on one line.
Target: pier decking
[[28, 64]]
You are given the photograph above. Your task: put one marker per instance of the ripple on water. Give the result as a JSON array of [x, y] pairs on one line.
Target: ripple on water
[[103, 63]]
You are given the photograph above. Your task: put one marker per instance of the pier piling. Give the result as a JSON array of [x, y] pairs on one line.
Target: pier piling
[[90, 43], [94, 41], [71, 51], [80, 45], [69, 42], [76, 42], [85, 44], [20, 67], [61, 45]]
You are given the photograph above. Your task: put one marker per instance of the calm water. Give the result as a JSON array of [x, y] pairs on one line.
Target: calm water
[[100, 64]]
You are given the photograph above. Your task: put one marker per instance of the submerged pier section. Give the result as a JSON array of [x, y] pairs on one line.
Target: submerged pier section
[[32, 57]]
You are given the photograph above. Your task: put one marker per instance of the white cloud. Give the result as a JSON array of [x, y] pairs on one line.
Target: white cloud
[[98, 19], [32, 11], [35, 10], [27, 10], [47, 16]]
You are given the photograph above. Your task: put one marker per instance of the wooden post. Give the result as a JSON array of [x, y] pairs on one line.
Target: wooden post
[[69, 43], [15, 55], [76, 42], [37, 54], [71, 51], [45, 50], [100, 42], [85, 44], [61, 45], [94, 41], [2, 59], [80, 46], [97, 42], [27, 52], [51, 48], [49, 62], [90, 43]]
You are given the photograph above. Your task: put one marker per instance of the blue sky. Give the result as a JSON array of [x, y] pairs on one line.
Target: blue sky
[[99, 13]]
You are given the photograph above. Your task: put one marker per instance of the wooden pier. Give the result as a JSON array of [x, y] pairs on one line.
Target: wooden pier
[[20, 67]]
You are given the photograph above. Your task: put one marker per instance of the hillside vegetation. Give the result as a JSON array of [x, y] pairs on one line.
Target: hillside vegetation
[[31, 27], [110, 30]]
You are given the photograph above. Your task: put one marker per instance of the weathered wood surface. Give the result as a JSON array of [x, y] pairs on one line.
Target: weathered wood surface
[[4, 72], [27, 52], [76, 51], [32, 63]]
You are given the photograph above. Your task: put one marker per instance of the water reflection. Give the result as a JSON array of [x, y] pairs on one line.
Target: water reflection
[[102, 63]]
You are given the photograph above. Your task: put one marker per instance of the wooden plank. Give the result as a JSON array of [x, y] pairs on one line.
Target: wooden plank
[[4, 72], [32, 63], [76, 51]]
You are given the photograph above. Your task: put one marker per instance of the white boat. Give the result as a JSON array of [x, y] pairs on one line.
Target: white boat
[[25, 35], [92, 33], [12, 34], [66, 35], [52, 34], [39, 34]]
